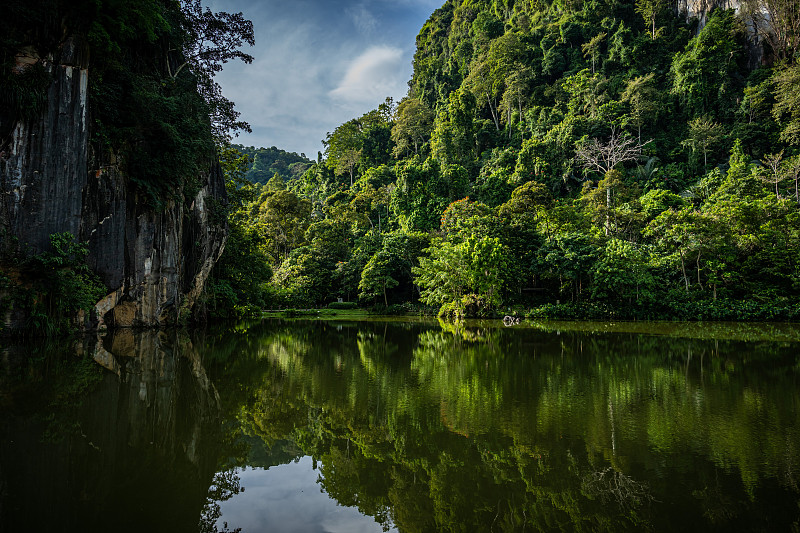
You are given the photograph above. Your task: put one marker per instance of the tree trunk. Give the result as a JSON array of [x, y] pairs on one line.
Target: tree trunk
[[698, 272], [683, 269], [494, 112]]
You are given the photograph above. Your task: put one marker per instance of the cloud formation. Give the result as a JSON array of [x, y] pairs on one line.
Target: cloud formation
[[318, 64], [363, 20], [375, 74]]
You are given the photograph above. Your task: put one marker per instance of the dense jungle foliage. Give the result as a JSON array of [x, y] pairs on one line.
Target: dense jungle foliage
[[266, 163], [598, 158]]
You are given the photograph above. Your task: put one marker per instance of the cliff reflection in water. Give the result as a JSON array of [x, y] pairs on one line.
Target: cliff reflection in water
[[421, 426], [130, 444]]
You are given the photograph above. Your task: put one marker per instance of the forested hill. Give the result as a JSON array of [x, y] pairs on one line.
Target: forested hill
[[597, 158], [265, 163]]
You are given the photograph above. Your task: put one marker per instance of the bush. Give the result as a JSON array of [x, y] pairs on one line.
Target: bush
[[55, 289], [673, 308], [342, 305], [406, 308]]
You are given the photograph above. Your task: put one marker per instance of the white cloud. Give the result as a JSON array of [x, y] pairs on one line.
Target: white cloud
[[363, 19], [372, 76], [318, 64]]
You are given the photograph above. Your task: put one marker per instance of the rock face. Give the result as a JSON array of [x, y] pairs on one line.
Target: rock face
[[700, 9], [153, 260], [44, 168]]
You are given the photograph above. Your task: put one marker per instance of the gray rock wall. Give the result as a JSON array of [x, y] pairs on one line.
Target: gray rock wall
[[44, 168], [700, 9], [153, 261]]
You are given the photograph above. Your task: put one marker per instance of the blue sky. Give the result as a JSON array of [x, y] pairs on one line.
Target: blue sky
[[319, 63]]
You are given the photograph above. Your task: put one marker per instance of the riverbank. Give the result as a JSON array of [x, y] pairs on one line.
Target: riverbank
[[669, 310]]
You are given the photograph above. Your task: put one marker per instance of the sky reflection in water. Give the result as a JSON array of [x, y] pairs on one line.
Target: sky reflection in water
[[287, 498]]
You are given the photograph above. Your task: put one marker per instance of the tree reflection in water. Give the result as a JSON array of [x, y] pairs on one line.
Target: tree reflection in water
[[558, 426], [224, 486]]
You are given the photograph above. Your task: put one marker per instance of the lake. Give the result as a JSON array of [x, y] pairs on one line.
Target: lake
[[393, 425]]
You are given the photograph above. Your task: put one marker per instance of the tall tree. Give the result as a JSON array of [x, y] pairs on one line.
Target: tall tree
[[704, 134], [650, 10], [642, 96], [343, 148], [377, 276], [774, 172], [211, 40], [591, 49], [603, 157], [787, 102], [412, 125]]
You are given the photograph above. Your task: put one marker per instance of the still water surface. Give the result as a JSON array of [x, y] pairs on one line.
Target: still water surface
[[314, 426]]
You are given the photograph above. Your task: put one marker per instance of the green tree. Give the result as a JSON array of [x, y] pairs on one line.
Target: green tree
[[453, 138], [209, 41], [591, 49], [343, 148], [516, 95], [238, 283], [443, 275], [787, 102], [705, 75], [704, 134], [377, 276], [570, 259], [470, 273], [285, 218], [650, 10], [412, 125], [642, 96], [622, 273], [488, 74]]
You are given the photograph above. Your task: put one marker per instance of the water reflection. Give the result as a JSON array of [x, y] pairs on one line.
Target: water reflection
[[414, 426], [479, 427], [130, 444]]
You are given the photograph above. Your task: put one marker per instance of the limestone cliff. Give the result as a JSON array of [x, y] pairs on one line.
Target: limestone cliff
[[701, 9], [153, 260]]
